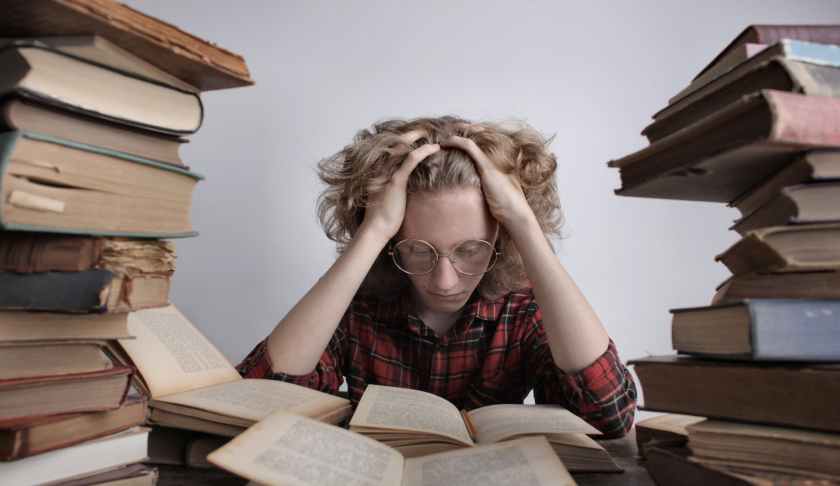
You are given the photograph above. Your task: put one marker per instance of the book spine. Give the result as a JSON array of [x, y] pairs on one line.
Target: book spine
[[812, 121], [803, 330], [38, 252], [56, 291]]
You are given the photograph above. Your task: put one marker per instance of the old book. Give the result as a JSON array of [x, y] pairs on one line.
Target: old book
[[760, 330], [194, 385], [279, 451], [51, 359], [417, 423], [191, 59], [793, 66], [31, 116], [39, 327], [199, 447], [781, 449], [796, 248], [733, 150], [789, 285], [664, 430], [732, 59], [28, 72], [63, 393], [813, 166], [128, 475], [73, 462], [750, 392], [55, 185], [28, 437], [800, 204]]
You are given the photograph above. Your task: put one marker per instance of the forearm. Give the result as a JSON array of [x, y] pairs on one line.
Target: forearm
[[296, 344], [574, 332]]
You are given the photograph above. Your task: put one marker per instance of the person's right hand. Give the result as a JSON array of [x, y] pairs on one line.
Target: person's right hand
[[385, 211]]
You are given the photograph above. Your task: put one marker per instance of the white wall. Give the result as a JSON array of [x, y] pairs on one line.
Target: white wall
[[591, 72]]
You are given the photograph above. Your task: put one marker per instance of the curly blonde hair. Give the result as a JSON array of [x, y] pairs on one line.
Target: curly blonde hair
[[362, 168]]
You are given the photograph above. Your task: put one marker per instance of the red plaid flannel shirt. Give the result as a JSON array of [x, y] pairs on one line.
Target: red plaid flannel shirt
[[496, 352]]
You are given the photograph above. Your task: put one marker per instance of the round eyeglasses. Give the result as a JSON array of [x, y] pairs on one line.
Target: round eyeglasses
[[470, 258]]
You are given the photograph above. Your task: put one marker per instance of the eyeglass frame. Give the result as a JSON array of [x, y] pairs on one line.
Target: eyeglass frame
[[496, 255]]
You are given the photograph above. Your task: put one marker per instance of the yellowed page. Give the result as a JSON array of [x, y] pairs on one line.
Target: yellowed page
[[405, 409], [289, 450], [255, 399], [671, 422], [522, 462], [495, 423], [172, 354]]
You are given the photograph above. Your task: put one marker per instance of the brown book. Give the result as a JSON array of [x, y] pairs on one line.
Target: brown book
[[800, 204], [796, 248], [191, 59], [815, 166], [27, 437], [129, 475], [790, 285], [52, 359], [40, 327], [733, 150], [200, 447], [63, 393], [663, 430], [724, 65], [796, 395]]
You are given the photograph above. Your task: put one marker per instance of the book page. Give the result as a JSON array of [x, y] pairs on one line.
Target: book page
[[405, 409], [495, 423], [671, 422], [286, 449], [255, 399], [171, 353], [522, 462]]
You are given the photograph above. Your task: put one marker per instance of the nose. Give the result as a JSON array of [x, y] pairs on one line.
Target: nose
[[444, 276]]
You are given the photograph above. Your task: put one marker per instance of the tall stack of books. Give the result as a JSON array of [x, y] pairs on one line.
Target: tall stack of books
[[95, 101], [759, 129]]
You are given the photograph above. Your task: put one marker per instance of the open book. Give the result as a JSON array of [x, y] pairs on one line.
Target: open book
[[193, 386], [418, 423], [286, 449]]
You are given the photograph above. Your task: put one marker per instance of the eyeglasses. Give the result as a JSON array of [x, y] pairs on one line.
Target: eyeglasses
[[470, 258]]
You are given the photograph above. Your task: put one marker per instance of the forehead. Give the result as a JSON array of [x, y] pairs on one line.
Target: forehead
[[445, 218]]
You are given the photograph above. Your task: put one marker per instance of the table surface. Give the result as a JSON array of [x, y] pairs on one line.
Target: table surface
[[623, 450]]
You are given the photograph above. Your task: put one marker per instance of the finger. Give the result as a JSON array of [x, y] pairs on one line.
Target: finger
[[413, 159], [413, 136], [469, 146]]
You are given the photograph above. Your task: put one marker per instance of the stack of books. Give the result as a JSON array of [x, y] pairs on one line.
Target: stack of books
[[759, 129], [95, 102]]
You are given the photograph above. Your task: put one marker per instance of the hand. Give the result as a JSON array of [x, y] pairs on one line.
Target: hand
[[386, 209]]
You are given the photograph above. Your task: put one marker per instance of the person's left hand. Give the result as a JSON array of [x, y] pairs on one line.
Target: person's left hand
[[503, 192]]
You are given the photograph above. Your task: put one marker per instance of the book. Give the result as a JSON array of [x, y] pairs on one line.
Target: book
[[813, 166], [51, 358], [128, 475], [39, 327], [279, 451], [733, 150], [796, 248], [63, 393], [750, 392], [186, 56], [193, 386], [732, 59], [788, 285], [793, 66], [417, 423], [30, 436], [55, 185], [28, 71], [800, 204], [25, 115], [760, 330], [663, 430], [781, 449], [199, 447], [83, 459]]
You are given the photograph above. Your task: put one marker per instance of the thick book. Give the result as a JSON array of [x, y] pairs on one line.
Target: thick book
[[31, 436], [55, 185], [786, 394], [800, 204], [760, 330], [666, 430], [279, 450], [29, 69], [785, 285], [733, 150], [193, 386], [798, 67], [794, 248], [732, 59], [417, 423], [51, 358], [39, 327], [184, 55]]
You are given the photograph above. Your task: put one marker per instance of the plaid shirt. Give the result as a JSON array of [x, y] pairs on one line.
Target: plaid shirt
[[496, 352]]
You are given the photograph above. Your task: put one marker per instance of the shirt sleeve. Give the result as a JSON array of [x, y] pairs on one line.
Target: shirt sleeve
[[603, 393]]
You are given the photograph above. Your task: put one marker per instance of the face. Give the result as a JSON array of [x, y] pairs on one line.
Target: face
[[445, 219]]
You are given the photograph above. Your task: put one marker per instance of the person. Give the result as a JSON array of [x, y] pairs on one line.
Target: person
[[446, 279]]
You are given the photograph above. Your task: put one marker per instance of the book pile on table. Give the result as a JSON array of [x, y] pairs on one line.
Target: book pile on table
[[759, 129], [95, 102]]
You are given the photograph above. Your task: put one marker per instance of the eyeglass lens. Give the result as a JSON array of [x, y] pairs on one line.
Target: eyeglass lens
[[470, 257]]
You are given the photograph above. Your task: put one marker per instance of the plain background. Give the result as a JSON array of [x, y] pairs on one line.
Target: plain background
[[592, 73]]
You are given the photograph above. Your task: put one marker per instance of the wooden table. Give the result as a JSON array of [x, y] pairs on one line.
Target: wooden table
[[623, 451]]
